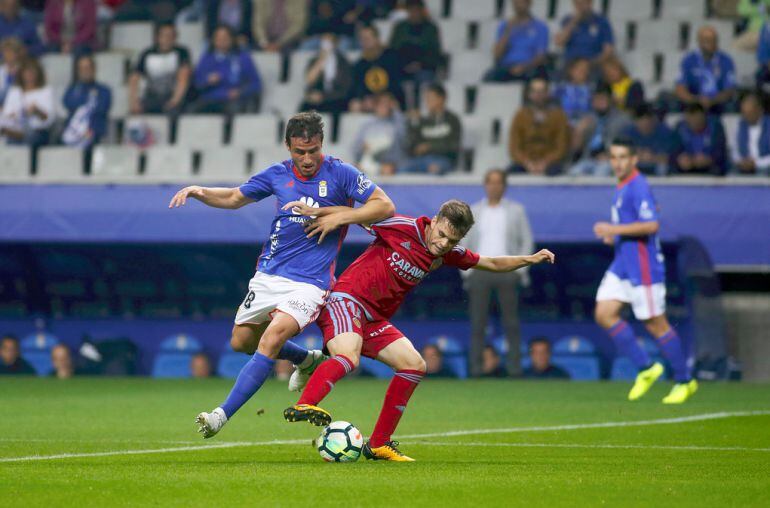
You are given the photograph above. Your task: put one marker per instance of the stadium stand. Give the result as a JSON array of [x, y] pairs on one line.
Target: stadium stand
[[173, 359], [36, 349]]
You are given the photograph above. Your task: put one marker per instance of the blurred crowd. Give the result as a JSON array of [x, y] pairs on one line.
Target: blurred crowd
[[578, 91]]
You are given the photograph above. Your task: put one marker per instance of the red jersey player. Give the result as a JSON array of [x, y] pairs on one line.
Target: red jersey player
[[356, 318]]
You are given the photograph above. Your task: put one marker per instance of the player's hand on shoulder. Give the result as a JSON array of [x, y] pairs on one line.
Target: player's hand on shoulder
[[543, 256], [180, 198]]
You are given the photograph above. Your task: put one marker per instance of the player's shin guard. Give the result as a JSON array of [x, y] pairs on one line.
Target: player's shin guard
[[251, 377], [322, 381], [294, 353], [399, 392], [671, 346], [625, 340]]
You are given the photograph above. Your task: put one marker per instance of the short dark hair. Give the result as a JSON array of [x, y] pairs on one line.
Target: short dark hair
[[603, 89], [644, 109], [491, 348], [540, 340], [498, 171], [163, 24], [624, 142], [438, 89], [305, 125], [694, 107], [433, 346], [373, 28], [458, 214], [11, 337]]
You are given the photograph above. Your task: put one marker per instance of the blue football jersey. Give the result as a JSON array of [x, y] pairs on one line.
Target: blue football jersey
[[288, 252], [637, 259]]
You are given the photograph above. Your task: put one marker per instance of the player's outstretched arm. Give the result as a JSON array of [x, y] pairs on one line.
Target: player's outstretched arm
[[644, 228], [511, 263], [218, 197]]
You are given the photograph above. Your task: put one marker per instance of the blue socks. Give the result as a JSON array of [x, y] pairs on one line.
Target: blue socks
[[292, 352], [625, 340], [249, 380], [671, 346]]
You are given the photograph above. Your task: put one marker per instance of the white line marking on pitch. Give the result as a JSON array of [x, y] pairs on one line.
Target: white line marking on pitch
[[608, 446], [470, 432], [600, 425]]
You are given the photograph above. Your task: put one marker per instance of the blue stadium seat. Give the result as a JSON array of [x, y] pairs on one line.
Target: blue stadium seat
[[36, 349], [580, 367], [375, 368], [572, 345], [181, 343], [501, 346], [172, 365], [231, 363]]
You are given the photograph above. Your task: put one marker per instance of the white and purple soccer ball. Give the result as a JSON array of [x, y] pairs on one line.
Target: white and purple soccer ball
[[340, 442]]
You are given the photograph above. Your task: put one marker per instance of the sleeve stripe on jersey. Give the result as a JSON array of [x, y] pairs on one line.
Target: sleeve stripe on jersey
[[394, 220], [419, 234], [459, 249]]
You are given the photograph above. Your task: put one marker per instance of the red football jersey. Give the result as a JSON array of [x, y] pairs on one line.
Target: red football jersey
[[393, 264]]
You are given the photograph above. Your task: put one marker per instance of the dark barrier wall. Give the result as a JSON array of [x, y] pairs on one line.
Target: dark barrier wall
[[731, 221]]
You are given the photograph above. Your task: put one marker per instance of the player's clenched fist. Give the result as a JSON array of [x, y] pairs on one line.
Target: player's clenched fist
[[180, 198], [542, 256]]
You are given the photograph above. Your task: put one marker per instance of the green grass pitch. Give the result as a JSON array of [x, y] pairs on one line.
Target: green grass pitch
[[101, 428]]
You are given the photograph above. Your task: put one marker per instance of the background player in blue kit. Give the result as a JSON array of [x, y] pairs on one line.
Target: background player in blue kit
[[637, 277], [296, 268]]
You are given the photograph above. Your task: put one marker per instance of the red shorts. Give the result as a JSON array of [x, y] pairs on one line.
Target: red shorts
[[341, 315]]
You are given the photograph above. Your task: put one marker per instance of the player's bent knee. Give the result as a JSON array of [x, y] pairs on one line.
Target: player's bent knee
[[242, 345], [417, 363]]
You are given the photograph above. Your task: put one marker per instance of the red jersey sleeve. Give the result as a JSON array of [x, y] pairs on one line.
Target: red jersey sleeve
[[394, 227], [461, 257]]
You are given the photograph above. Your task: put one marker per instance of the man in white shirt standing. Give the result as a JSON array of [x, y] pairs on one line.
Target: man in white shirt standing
[[502, 229]]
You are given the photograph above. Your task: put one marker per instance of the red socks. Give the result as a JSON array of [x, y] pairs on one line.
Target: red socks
[[399, 392], [322, 381]]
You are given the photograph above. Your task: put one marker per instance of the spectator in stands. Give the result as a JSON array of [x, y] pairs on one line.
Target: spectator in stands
[[574, 95], [591, 138], [502, 230], [378, 70], [585, 34], [88, 104], [417, 43], [434, 140], [655, 142], [331, 16], [627, 92], [226, 78], [283, 369], [279, 24], [707, 74], [14, 23], [434, 362], [234, 14], [521, 46], [165, 68], [752, 142], [539, 135], [29, 110], [12, 53], [70, 25], [11, 361], [701, 143], [379, 147], [328, 79], [763, 59], [492, 366], [540, 361], [200, 366], [755, 13], [61, 358]]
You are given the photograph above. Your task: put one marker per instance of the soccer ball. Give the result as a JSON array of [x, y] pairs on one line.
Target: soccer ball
[[340, 442]]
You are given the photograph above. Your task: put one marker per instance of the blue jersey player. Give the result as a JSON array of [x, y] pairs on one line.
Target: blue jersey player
[[637, 277], [296, 268]]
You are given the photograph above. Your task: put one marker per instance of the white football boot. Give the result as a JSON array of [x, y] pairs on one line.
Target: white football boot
[[304, 370], [211, 423]]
